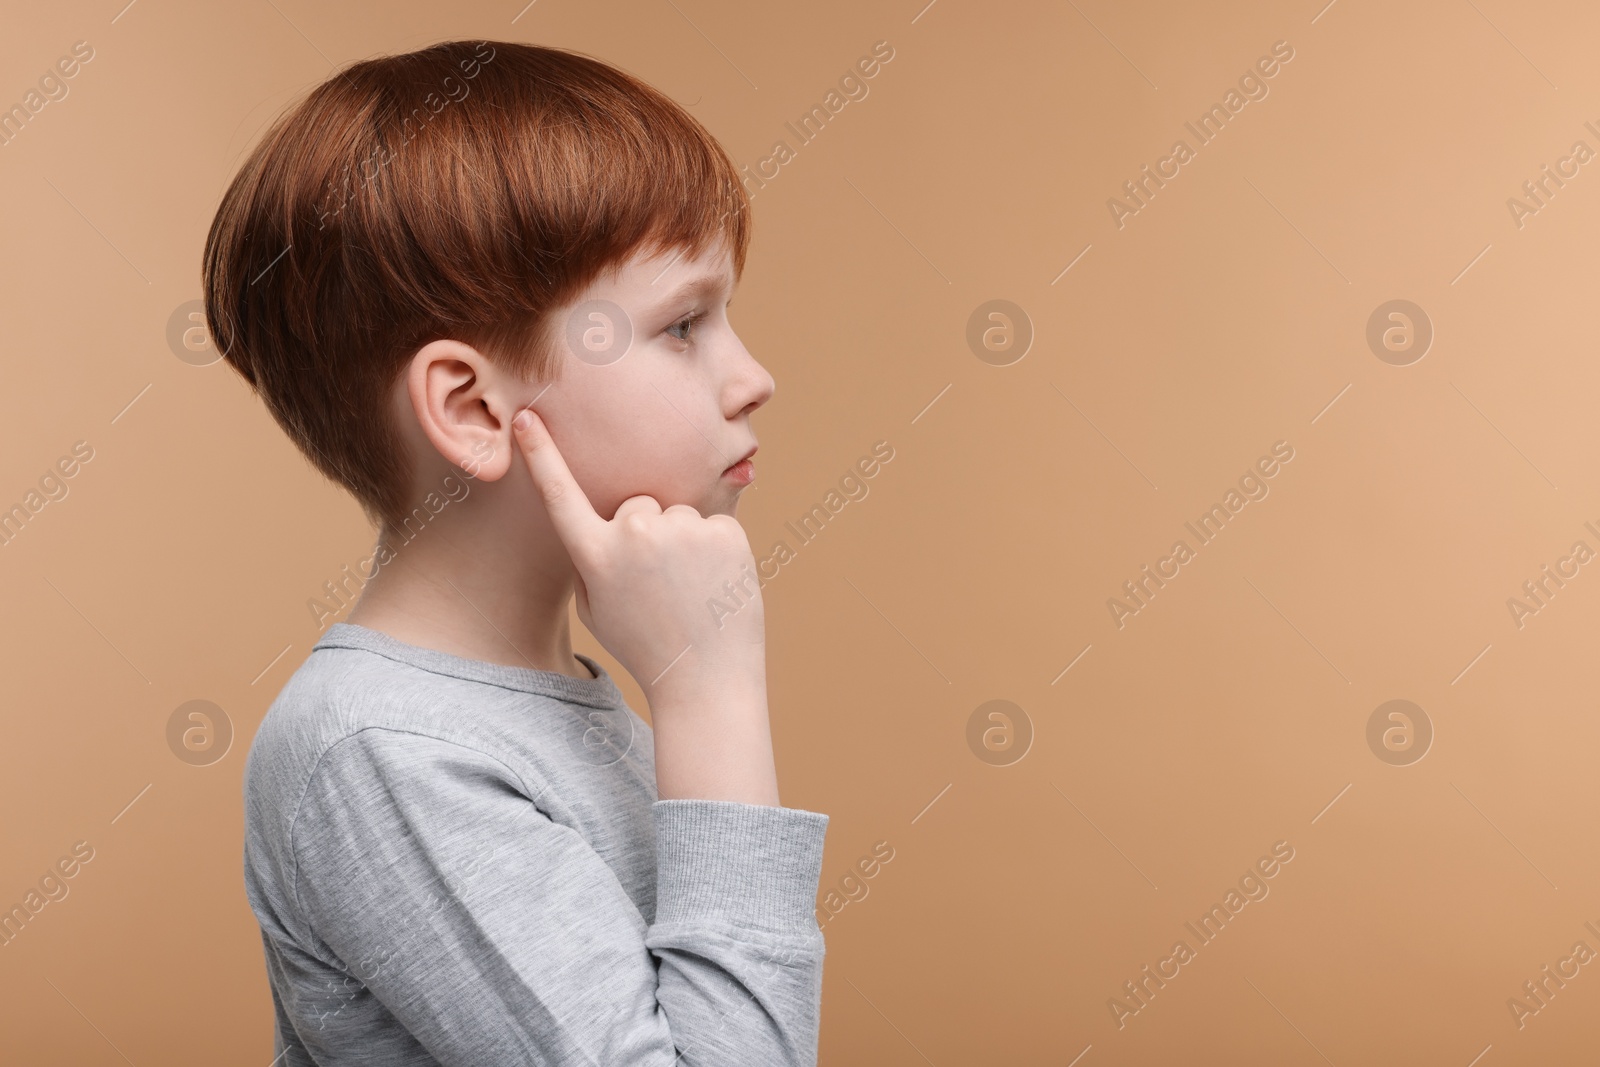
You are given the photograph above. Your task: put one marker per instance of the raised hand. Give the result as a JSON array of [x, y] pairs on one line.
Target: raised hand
[[645, 580]]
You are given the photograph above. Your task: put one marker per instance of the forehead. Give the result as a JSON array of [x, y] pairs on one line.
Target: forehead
[[659, 277]]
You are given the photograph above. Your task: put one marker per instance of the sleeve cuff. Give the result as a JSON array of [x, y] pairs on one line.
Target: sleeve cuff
[[738, 864]]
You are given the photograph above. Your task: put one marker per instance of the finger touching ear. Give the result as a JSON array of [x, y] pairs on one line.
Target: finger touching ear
[[574, 518]]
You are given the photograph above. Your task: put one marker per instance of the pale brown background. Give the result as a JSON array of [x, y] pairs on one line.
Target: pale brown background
[[1224, 317]]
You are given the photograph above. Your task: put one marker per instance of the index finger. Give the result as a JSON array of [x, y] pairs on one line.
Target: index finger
[[573, 517]]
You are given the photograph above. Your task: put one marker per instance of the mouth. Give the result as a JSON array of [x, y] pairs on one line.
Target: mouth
[[742, 472]]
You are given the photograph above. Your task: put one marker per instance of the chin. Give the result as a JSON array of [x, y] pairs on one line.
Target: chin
[[722, 504]]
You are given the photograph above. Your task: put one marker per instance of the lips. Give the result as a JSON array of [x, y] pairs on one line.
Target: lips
[[741, 459], [742, 473]]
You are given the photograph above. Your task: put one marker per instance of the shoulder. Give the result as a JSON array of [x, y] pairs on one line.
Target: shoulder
[[339, 696], [348, 713]]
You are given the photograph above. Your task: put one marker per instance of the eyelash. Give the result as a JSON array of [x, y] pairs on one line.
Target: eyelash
[[689, 321]]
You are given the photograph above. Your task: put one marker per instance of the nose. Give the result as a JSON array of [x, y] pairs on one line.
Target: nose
[[749, 386]]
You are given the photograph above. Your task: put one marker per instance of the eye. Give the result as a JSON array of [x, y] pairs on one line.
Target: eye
[[687, 324]]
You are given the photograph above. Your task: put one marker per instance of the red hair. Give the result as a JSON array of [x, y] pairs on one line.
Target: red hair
[[458, 191]]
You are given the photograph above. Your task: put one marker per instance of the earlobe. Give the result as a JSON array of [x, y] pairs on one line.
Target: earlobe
[[483, 464]]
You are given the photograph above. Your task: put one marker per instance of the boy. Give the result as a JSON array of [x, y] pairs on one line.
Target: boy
[[512, 263]]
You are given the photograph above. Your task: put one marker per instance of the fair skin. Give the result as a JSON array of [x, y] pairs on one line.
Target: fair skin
[[617, 491]]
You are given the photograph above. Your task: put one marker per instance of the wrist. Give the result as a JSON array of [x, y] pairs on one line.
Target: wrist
[[713, 740], [699, 681]]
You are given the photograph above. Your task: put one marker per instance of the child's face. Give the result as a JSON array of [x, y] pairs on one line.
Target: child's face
[[645, 401]]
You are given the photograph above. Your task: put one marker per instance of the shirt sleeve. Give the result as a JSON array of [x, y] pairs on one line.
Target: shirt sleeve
[[495, 935]]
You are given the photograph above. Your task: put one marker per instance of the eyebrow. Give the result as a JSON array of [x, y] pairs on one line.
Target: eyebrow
[[698, 287]]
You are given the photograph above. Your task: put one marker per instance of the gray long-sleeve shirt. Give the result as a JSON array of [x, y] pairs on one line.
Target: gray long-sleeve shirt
[[459, 862]]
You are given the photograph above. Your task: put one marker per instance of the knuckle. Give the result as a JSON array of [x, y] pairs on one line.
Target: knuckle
[[729, 527]]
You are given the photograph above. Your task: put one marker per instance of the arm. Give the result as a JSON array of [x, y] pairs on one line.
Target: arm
[[501, 937]]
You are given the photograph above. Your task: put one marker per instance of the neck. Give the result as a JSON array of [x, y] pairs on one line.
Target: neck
[[460, 585]]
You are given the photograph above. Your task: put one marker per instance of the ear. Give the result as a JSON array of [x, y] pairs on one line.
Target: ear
[[458, 403]]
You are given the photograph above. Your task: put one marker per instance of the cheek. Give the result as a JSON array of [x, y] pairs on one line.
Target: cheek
[[634, 436]]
